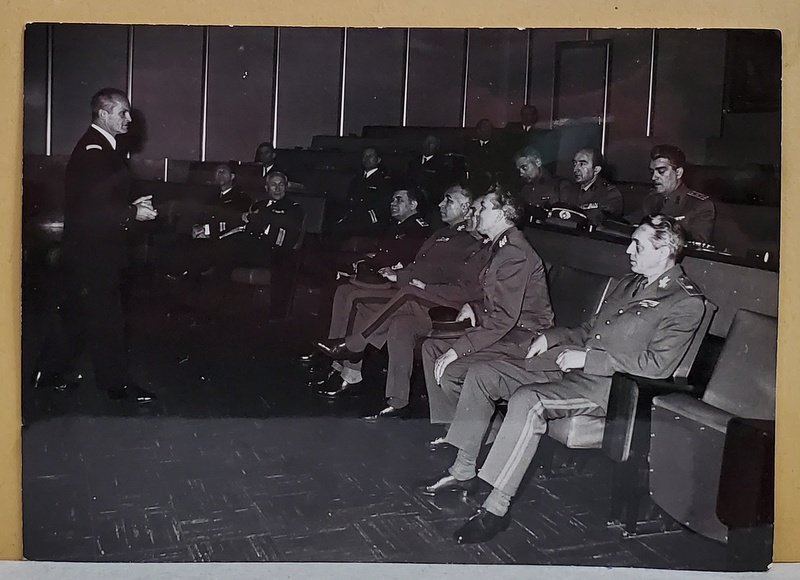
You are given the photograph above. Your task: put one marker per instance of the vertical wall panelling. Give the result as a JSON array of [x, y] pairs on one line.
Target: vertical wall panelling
[[405, 77], [309, 87], [204, 129], [605, 96], [466, 79], [497, 75], [276, 63], [240, 91], [35, 89], [85, 59], [129, 65], [376, 72], [651, 84], [435, 77], [168, 90], [49, 93], [528, 33], [343, 82]]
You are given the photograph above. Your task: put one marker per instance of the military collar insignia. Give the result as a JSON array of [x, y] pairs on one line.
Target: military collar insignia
[[399, 236], [461, 228], [663, 282], [443, 239], [422, 222], [503, 241]]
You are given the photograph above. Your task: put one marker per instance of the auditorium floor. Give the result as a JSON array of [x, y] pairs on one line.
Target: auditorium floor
[[239, 461]]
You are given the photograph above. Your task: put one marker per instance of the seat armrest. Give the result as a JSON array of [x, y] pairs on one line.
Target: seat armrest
[[747, 479], [693, 409]]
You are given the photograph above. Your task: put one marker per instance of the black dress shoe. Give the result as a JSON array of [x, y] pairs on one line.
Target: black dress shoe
[[310, 358], [438, 444], [319, 377], [390, 413], [55, 381], [481, 527], [131, 392], [337, 350], [337, 387], [447, 482]]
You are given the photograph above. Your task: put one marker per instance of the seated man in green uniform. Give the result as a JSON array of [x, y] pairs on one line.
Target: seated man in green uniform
[[643, 327]]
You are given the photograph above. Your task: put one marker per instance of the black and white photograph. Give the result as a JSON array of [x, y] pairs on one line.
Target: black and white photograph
[[400, 295]]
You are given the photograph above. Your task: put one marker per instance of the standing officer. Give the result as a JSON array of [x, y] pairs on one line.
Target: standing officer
[[594, 196], [643, 327], [98, 211], [670, 196], [515, 305]]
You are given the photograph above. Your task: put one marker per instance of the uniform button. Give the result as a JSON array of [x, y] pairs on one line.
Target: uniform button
[[597, 336], [621, 311], [485, 310], [638, 312], [608, 322]]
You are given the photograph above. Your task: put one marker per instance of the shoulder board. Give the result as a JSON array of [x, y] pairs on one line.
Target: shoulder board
[[93, 146], [689, 287], [697, 195], [422, 222]]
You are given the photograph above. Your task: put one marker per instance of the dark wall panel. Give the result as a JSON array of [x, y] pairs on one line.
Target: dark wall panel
[[435, 77], [496, 79], [580, 79], [34, 121], [689, 86], [86, 58], [309, 84], [374, 78], [542, 71], [240, 87], [167, 89]]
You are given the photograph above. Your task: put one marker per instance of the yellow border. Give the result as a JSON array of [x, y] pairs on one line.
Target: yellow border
[[777, 14]]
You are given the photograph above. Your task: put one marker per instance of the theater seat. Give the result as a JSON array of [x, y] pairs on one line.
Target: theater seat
[[689, 436]]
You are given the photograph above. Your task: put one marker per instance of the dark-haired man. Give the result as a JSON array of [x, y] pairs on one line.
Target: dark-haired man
[[670, 196], [589, 192], [539, 187], [643, 327]]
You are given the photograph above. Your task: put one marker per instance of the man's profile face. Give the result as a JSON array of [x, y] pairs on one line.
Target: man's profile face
[[266, 155], [370, 159], [472, 215], [118, 117], [582, 169], [644, 257], [276, 187], [489, 214], [529, 170], [401, 207], [666, 178], [454, 206]]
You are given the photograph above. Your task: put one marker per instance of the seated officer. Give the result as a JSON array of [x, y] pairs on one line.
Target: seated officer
[[366, 210], [539, 187], [444, 273], [484, 154], [514, 305], [670, 196], [590, 193], [265, 155], [643, 327], [430, 174]]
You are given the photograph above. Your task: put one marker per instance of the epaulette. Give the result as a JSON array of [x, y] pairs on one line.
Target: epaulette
[[93, 146], [422, 222], [697, 195], [689, 286]]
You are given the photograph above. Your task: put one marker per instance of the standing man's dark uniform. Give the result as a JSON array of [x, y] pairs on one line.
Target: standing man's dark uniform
[[431, 175], [366, 212], [98, 213]]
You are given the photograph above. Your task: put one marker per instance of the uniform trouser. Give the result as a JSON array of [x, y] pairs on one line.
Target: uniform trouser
[[343, 315], [529, 409], [484, 384], [92, 319], [443, 397]]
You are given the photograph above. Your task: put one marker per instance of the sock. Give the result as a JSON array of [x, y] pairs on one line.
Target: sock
[[351, 375], [396, 403], [464, 466], [497, 502]]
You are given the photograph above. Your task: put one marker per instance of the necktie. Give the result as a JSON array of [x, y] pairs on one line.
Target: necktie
[[640, 286]]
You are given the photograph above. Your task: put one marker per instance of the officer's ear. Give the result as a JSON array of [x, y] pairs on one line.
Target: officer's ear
[[597, 169], [537, 163], [679, 172]]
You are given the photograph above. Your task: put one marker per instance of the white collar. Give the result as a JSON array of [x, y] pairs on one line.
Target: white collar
[[265, 170], [586, 186], [370, 172], [107, 135], [226, 191], [426, 158], [482, 142]]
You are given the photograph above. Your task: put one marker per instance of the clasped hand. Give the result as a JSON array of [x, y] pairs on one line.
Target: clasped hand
[[144, 208]]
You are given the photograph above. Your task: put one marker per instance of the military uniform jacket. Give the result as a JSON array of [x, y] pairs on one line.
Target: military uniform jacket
[[644, 335], [431, 177], [224, 212], [515, 303], [400, 243], [599, 201], [278, 223], [368, 202], [97, 205], [543, 192], [449, 263], [694, 210], [484, 160]]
